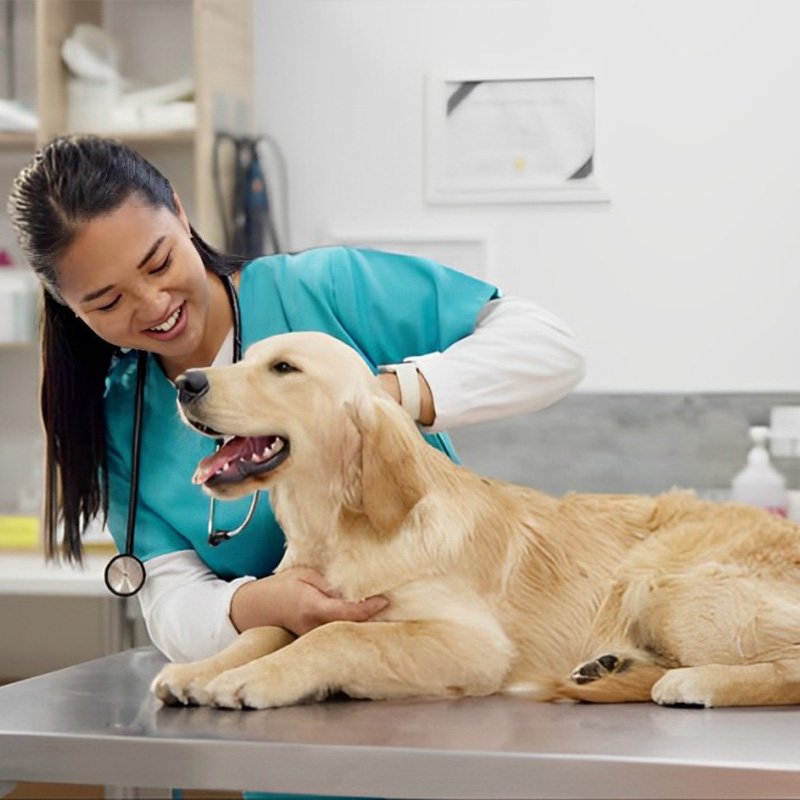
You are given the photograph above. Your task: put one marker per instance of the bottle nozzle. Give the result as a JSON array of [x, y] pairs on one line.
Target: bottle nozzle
[[759, 435]]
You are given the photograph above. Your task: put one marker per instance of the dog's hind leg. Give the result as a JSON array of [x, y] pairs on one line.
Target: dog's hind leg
[[186, 683], [624, 676], [774, 683], [377, 660]]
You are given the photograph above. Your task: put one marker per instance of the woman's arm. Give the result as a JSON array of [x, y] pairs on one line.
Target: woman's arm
[[519, 358], [191, 613], [185, 606]]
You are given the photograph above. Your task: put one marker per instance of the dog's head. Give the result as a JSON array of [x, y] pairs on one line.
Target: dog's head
[[283, 403]]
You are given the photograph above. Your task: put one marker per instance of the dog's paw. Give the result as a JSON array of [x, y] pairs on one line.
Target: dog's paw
[[258, 687], [600, 667], [688, 687], [182, 684]]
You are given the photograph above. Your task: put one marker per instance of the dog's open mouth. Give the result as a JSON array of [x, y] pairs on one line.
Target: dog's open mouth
[[241, 457]]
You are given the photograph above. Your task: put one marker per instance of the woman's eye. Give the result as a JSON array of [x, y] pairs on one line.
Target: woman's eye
[[164, 267], [110, 305], [283, 367]]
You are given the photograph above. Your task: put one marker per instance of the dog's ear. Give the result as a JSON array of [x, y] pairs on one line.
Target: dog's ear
[[385, 484], [350, 456]]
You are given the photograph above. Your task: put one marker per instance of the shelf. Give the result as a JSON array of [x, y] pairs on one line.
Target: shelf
[[27, 573], [176, 136], [17, 346], [17, 140], [27, 140]]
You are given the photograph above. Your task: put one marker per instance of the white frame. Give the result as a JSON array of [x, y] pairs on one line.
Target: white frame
[[398, 241], [438, 191]]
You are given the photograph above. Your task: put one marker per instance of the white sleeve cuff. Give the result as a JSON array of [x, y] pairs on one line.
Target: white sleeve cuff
[[519, 358], [186, 607]]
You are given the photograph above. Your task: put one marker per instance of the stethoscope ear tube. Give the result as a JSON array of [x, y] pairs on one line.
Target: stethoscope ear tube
[[125, 572], [217, 537]]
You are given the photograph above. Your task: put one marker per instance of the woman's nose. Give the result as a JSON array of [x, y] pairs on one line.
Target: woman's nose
[[154, 305]]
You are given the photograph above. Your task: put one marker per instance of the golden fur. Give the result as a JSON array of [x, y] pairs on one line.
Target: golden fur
[[493, 587]]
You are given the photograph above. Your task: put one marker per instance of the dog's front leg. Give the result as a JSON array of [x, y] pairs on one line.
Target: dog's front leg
[[186, 683], [377, 660]]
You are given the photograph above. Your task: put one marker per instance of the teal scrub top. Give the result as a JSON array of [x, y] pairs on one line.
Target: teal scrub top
[[386, 306]]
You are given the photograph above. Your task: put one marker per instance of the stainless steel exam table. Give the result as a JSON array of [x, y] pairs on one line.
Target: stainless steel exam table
[[97, 724]]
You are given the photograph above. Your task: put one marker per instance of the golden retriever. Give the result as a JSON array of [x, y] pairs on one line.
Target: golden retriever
[[493, 587]]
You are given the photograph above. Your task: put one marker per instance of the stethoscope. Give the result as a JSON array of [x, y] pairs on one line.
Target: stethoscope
[[125, 573]]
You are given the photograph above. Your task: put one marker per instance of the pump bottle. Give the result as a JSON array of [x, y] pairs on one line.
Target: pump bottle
[[759, 483]]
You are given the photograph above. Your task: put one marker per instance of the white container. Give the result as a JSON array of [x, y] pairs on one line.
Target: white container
[[784, 425], [18, 303], [90, 105], [759, 483]]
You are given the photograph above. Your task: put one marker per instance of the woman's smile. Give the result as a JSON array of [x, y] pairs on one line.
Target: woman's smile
[[172, 327], [135, 278]]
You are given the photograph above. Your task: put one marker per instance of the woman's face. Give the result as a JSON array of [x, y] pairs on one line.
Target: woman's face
[[135, 278]]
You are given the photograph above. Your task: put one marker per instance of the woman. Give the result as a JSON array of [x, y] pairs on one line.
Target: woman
[[124, 272]]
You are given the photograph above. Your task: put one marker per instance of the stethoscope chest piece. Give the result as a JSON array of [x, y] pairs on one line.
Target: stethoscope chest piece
[[125, 575]]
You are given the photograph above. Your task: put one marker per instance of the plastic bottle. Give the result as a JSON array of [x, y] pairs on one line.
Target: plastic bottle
[[18, 303], [759, 483]]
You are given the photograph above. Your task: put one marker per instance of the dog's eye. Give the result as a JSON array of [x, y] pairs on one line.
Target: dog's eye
[[283, 367]]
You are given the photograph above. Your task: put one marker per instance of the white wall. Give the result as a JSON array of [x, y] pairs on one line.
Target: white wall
[[688, 279]]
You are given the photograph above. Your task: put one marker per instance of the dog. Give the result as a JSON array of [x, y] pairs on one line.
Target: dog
[[492, 587]]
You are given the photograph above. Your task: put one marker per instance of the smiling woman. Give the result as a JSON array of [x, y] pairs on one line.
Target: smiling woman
[[164, 301], [134, 298], [99, 299]]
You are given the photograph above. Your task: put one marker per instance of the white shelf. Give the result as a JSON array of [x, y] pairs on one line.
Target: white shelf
[[29, 574], [17, 345], [13, 140], [177, 136]]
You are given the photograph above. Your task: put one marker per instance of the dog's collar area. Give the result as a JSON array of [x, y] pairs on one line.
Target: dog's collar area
[[240, 458]]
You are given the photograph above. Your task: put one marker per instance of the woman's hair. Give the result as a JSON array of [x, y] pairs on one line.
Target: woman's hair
[[71, 181]]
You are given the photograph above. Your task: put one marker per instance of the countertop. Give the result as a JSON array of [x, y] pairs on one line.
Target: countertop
[[27, 573], [97, 723]]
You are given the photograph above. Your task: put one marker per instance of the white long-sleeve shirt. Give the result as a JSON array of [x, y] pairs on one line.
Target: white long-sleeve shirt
[[519, 358]]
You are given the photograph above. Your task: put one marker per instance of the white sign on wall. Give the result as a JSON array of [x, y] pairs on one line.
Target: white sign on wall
[[511, 140]]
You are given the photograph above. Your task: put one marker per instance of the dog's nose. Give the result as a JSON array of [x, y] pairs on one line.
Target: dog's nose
[[191, 386]]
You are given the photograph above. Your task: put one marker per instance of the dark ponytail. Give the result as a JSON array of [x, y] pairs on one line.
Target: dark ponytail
[[71, 181]]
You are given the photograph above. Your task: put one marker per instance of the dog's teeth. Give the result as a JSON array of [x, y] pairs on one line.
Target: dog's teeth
[[254, 457]]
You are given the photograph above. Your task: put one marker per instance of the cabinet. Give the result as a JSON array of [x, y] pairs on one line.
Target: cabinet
[[161, 41], [213, 39]]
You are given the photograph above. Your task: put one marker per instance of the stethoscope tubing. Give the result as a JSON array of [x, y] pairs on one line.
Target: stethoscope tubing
[[125, 573], [138, 414]]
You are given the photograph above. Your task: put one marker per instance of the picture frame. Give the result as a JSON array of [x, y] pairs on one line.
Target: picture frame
[[511, 140]]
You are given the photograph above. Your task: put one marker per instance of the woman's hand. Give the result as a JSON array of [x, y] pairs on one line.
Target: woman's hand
[[298, 600]]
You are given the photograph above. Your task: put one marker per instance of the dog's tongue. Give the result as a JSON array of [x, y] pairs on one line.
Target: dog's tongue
[[236, 449]]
